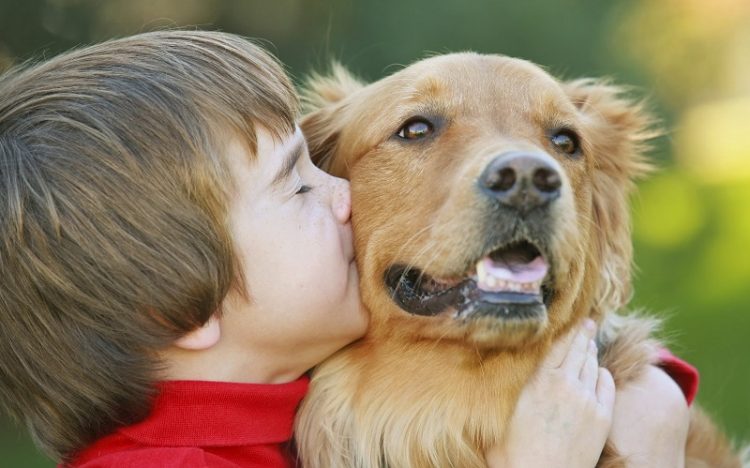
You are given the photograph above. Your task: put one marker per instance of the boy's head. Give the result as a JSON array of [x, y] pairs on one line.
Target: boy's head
[[114, 201]]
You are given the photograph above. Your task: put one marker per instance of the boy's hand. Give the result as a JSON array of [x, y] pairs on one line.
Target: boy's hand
[[651, 421], [564, 414]]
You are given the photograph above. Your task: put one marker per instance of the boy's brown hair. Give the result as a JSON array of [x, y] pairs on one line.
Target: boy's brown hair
[[113, 206]]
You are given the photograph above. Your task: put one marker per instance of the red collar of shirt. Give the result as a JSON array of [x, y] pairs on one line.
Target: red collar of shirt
[[685, 375], [219, 414]]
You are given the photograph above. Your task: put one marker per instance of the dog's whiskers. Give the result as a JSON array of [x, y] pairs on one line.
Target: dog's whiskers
[[405, 246]]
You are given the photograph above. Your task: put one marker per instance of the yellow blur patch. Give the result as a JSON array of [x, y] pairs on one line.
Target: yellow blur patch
[[722, 269], [713, 141], [668, 211]]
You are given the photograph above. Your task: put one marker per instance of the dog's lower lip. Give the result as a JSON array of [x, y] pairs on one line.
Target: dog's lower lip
[[508, 298]]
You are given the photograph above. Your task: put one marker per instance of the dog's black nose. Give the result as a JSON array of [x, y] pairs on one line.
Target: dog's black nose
[[521, 180]]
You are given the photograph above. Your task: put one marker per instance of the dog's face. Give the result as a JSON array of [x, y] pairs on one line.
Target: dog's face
[[489, 199]]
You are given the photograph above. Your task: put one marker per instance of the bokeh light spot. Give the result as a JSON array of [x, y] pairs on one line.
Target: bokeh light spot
[[713, 140]]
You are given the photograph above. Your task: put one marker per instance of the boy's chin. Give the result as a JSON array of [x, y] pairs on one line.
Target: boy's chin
[[349, 330]]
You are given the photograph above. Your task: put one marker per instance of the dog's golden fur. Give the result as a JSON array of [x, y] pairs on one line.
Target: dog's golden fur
[[435, 391]]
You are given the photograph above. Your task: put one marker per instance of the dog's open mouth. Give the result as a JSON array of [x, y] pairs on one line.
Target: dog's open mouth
[[510, 282]]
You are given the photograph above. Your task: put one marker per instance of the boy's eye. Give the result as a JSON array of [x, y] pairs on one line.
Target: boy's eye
[[303, 189]]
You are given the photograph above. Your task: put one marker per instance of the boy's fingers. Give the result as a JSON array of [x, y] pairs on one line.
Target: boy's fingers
[[578, 352], [560, 349], [605, 390], [590, 370]]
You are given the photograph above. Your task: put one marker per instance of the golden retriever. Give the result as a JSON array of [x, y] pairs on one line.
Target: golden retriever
[[490, 212]]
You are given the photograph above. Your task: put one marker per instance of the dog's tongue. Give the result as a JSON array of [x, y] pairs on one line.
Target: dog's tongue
[[498, 274]]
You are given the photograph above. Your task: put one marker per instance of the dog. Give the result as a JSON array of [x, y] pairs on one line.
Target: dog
[[490, 215]]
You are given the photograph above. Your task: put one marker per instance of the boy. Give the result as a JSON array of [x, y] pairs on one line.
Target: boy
[[173, 263]]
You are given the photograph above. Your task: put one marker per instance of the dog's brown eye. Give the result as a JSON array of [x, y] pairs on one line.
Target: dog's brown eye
[[415, 129], [566, 141]]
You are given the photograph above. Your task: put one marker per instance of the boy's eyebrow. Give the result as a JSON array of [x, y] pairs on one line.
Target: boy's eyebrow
[[289, 162]]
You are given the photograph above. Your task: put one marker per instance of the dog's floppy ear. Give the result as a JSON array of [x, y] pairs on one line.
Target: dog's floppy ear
[[618, 132], [324, 105]]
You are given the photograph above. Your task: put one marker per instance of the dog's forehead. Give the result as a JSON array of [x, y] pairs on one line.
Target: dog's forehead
[[471, 78]]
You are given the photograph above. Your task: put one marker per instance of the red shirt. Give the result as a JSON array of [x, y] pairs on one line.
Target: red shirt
[[230, 425], [206, 424]]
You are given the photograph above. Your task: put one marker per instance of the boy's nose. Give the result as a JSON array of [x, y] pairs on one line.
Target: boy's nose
[[342, 200]]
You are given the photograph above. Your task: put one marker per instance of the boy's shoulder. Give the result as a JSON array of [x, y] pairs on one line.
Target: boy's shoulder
[[205, 424]]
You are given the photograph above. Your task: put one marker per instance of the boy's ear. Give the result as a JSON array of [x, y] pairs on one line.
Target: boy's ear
[[324, 105], [201, 338], [619, 132]]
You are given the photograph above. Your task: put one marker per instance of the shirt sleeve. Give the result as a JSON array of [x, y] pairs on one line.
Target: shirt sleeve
[[685, 375]]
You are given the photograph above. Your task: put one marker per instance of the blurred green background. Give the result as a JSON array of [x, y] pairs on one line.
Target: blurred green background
[[691, 58]]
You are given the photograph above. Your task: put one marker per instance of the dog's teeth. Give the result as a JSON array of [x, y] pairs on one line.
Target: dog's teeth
[[487, 281], [481, 271]]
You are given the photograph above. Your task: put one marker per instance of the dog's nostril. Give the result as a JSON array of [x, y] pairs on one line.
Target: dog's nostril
[[521, 181], [502, 180], [546, 180]]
